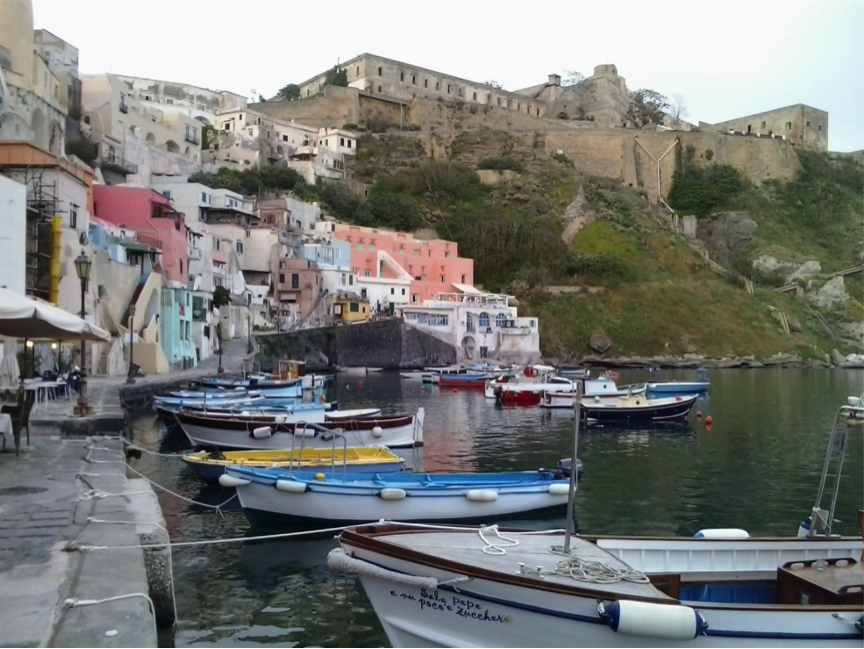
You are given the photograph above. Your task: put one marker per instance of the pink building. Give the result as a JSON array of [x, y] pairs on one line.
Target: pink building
[[434, 265], [154, 221]]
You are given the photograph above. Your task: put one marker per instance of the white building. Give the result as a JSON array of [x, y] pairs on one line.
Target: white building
[[13, 248], [480, 325]]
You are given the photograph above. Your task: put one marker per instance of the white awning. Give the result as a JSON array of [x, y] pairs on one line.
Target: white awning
[[467, 288]]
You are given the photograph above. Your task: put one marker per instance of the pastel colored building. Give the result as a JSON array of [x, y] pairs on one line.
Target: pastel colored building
[[427, 267], [150, 215], [176, 328], [479, 325]]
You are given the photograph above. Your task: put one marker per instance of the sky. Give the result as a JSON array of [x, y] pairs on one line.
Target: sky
[[728, 59]]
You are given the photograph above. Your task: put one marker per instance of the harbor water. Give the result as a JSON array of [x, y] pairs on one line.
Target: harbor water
[[756, 467]]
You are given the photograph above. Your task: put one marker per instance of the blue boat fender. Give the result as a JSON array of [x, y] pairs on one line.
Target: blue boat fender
[[666, 621]]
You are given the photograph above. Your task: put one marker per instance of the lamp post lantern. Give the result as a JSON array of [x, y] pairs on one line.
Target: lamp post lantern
[[130, 375], [28, 345], [82, 269]]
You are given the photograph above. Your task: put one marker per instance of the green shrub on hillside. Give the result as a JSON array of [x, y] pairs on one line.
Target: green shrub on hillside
[[501, 163], [704, 190]]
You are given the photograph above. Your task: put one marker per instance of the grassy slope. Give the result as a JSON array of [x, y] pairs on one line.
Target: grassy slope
[[656, 295]]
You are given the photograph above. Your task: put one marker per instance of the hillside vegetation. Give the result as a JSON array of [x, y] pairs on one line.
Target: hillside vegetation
[[639, 282]]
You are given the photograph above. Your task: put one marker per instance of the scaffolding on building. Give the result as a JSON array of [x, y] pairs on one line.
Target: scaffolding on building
[[42, 204]]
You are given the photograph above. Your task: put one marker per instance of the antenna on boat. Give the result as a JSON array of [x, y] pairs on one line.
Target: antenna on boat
[[574, 471]]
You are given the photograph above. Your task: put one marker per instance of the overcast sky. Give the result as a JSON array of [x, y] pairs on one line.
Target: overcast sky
[[728, 58]]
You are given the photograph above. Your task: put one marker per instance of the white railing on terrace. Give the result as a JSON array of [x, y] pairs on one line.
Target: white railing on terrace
[[485, 299]]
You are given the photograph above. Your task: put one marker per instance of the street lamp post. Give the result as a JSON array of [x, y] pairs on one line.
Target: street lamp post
[[249, 331], [82, 269], [28, 345], [130, 375]]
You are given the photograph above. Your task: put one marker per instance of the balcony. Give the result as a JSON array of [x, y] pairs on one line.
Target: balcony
[[113, 162], [219, 257], [194, 253]]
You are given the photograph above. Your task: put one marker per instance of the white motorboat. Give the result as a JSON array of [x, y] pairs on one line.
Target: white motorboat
[[274, 431]]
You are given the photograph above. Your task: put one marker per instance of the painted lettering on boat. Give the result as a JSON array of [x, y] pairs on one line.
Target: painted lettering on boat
[[433, 600]]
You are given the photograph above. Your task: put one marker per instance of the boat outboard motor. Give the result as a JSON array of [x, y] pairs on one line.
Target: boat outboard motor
[[565, 468]]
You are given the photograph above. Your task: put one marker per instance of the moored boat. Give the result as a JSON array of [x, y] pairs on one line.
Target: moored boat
[[635, 408], [467, 380], [268, 388], [431, 585], [209, 465], [251, 431], [273, 496]]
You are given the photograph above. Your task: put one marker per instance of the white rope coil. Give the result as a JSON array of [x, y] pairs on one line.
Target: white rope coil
[[500, 545]]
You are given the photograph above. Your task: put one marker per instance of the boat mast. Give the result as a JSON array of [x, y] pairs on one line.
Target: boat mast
[[574, 471]]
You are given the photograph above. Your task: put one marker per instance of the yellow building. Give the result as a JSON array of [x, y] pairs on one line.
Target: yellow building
[[348, 310]]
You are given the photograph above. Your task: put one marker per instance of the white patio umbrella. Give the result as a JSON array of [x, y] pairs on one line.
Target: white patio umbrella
[[23, 317], [9, 369]]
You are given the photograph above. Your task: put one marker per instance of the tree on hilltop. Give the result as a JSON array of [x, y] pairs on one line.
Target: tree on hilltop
[[647, 107], [679, 105], [289, 92], [336, 77], [492, 83], [572, 78]]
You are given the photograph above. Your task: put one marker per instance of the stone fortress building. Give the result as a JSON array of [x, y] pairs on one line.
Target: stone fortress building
[[599, 101]]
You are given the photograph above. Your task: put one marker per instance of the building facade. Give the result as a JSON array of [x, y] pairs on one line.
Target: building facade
[[800, 125], [480, 326]]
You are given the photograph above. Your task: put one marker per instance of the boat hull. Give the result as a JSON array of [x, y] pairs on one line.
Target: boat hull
[[676, 388], [210, 469], [505, 607], [653, 410], [344, 503], [234, 433]]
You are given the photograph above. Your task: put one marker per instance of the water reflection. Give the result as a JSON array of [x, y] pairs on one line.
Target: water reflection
[[757, 467]]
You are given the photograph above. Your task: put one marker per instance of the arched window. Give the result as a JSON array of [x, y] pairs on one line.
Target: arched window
[[500, 320], [484, 321]]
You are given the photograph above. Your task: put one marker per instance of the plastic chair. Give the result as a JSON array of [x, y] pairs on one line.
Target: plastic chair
[[20, 414]]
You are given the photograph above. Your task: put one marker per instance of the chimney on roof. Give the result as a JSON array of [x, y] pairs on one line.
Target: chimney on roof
[[554, 80]]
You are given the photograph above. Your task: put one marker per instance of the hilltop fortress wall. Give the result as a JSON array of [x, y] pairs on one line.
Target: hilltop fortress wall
[[627, 155]]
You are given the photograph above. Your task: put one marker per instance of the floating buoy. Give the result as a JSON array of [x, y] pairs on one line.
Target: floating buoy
[[709, 420], [319, 476], [653, 620], [698, 414]]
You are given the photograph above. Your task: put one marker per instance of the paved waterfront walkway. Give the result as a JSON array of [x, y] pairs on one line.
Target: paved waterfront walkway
[[63, 491], [104, 395]]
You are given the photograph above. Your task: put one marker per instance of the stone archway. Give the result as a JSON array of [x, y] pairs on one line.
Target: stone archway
[[468, 347], [172, 147], [150, 139]]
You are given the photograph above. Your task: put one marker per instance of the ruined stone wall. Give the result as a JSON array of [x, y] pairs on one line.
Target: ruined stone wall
[[334, 107], [629, 155]]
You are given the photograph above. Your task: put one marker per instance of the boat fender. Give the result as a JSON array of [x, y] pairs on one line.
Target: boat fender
[[722, 533], [280, 419], [481, 495], [232, 481], [261, 433], [291, 486], [392, 494], [666, 621], [377, 432], [559, 489], [305, 432]]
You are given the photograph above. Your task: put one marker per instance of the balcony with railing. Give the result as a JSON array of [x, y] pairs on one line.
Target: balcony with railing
[[113, 161]]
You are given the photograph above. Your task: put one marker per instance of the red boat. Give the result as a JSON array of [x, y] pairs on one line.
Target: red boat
[[520, 398]]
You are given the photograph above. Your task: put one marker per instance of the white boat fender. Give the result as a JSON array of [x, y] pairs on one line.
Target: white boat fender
[[280, 419], [304, 432], [666, 621], [722, 533], [559, 489], [392, 494], [377, 431], [261, 433], [481, 495], [339, 561], [291, 486], [232, 481]]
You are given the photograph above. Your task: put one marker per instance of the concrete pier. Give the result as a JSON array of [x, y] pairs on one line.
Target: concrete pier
[[68, 491]]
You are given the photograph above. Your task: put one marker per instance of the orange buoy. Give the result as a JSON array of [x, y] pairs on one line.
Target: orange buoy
[[698, 414], [708, 420]]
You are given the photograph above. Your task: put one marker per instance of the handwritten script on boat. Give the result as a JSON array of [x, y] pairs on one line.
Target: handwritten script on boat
[[452, 604]]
